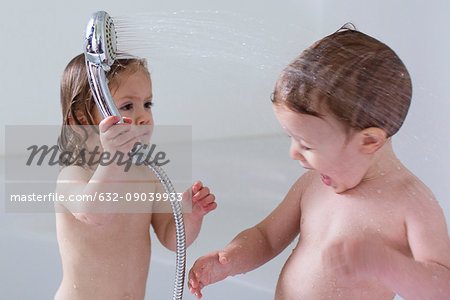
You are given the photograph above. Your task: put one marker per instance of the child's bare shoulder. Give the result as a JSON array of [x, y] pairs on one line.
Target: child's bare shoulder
[[424, 222], [415, 195], [74, 173], [301, 186]]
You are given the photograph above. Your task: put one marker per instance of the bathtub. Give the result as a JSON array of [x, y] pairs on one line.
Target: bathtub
[[249, 177]]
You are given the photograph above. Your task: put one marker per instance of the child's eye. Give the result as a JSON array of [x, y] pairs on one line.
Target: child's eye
[[148, 104], [127, 107], [305, 147]]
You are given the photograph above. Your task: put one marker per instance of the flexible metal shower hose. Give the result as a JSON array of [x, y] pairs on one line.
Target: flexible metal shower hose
[[179, 228]]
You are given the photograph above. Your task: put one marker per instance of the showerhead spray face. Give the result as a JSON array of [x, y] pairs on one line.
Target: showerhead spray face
[[100, 50]]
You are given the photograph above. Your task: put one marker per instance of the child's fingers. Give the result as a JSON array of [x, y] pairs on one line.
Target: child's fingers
[[108, 122], [198, 294], [116, 131], [209, 207], [127, 120], [207, 200], [193, 282], [197, 186], [201, 194]]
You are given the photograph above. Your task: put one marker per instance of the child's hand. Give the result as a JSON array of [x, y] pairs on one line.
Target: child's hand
[[208, 269], [118, 137], [360, 257], [202, 200]]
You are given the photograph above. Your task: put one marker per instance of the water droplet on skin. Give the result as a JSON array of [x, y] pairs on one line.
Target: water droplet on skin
[[74, 286], [379, 191]]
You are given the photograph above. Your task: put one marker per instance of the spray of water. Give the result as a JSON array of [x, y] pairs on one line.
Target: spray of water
[[196, 34]]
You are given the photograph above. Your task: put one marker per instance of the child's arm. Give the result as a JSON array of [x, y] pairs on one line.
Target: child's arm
[[252, 247], [75, 181], [426, 275], [164, 225]]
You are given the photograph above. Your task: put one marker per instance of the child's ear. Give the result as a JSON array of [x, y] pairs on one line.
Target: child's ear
[[372, 139], [80, 116]]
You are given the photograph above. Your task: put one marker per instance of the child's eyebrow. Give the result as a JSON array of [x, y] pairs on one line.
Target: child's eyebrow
[[134, 97], [297, 136]]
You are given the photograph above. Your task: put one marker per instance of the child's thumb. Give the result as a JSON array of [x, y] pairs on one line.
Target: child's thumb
[[127, 120]]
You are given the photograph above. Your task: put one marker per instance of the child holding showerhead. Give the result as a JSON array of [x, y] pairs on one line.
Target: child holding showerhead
[[368, 227], [105, 250]]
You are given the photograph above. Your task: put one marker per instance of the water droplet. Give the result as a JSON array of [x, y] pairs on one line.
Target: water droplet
[[379, 191], [74, 286]]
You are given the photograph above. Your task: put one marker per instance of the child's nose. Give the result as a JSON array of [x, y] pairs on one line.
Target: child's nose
[[144, 118], [143, 121]]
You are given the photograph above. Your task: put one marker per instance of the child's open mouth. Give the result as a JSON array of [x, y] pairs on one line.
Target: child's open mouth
[[325, 179]]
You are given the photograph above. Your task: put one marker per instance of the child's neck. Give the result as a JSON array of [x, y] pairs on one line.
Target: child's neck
[[384, 162]]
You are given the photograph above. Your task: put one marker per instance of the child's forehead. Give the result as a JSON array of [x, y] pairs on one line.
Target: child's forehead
[[304, 122], [129, 76], [311, 128], [138, 81]]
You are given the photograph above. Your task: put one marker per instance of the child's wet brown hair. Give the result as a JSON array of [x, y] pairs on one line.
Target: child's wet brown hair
[[356, 78]]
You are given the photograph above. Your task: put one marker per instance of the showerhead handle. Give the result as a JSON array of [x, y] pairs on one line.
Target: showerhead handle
[[100, 52], [100, 91]]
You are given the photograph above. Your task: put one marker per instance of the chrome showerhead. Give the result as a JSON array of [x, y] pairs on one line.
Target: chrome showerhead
[[100, 49]]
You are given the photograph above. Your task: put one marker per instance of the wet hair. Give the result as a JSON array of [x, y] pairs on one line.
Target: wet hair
[[77, 102], [356, 78]]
